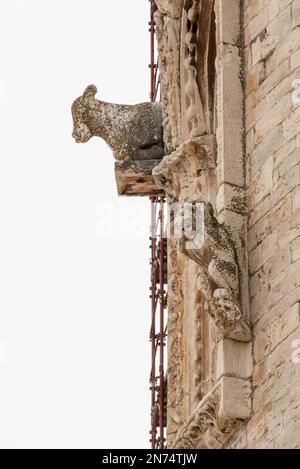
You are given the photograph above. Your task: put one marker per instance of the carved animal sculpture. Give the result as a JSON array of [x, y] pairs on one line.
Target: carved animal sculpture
[[133, 132], [216, 254], [218, 276]]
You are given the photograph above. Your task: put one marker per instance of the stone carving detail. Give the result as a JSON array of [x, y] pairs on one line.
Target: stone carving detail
[[198, 54], [172, 8], [175, 337], [168, 39], [194, 118], [189, 170], [188, 175], [205, 429], [202, 375], [187, 51], [132, 132], [218, 276], [213, 298]]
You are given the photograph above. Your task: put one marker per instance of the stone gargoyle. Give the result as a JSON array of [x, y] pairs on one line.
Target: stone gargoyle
[[133, 132], [212, 248]]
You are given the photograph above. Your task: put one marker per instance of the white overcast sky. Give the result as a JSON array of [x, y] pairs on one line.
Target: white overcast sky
[[74, 308]]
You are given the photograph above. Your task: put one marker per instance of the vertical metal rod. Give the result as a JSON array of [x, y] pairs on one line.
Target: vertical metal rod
[[152, 331], [153, 254], [158, 280], [153, 66], [158, 329], [162, 325]]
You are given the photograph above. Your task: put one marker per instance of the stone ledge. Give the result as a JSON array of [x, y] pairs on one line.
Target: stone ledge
[[218, 416], [134, 178]]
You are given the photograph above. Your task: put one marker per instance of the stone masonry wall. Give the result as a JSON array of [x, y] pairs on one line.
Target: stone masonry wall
[[272, 64]]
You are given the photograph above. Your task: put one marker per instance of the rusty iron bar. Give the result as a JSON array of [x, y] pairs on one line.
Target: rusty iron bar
[[162, 326], [154, 73], [153, 340], [158, 246], [158, 331]]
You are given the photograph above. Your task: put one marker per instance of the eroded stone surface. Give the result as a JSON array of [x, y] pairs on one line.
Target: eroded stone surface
[[133, 132], [134, 177], [202, 99], [218, 275]]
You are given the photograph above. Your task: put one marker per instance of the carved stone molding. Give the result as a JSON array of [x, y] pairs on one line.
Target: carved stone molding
[[217, 417], [186, 56], [168, 40], [175, 337], [192, 107]]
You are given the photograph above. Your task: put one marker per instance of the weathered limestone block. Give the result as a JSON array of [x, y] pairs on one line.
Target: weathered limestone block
[[262, 185], [230, 132], [217, 417], [235, 402], [295, 13], [236, 225], [134, 177], [275, 326], [295, 249], [232, 198], [234, 359], [228, 21]]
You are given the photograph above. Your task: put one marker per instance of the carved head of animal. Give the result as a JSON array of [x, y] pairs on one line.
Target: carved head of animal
[[82, 131]]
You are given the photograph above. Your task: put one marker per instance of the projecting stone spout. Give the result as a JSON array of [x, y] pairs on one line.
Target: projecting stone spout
[[133, 132]]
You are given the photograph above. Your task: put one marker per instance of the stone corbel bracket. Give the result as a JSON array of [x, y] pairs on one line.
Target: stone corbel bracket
[[208, 243], [134, 178], [217, 417]]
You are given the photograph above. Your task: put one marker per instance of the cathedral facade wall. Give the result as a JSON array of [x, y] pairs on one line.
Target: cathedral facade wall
[[271, 32]]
